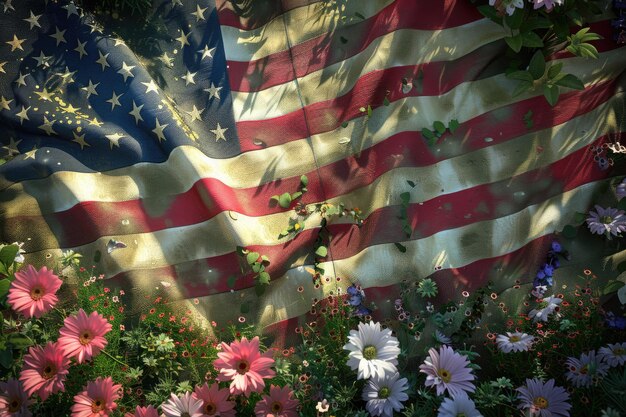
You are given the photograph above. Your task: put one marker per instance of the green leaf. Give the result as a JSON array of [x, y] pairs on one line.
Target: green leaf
[[612, 286], [554, 70], [551, 93], [4, 287], [514, 42], [264, 278], [369, 111], [528, 119], [252, 257], [569, 231], [571, 81], [521, 88], [400, 247], [304, 180], [259, 289], [533, 23], [521, 75], [343, 40], [622, 204], [19, 341], [514, 21], [8, 253], [386, 101], [97, 256], [407, 230], [411, 183], [439, 127], [621, 267], [428, 134], [453, 125], [490, 13], [6, 358], [256, 267], [405, 197], [322, 251], [284, 200], [231, 281], [344, 124], [537, 66], [531, 40], [295, 195], [359, 15]]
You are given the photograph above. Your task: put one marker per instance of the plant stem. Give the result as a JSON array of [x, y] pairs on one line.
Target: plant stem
[[114, 358]]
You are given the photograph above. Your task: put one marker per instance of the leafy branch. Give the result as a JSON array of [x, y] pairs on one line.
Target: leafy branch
[[284, 200], [257, 263]]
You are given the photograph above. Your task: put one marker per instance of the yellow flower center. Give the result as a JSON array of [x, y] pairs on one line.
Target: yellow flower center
[[540, 402], [14, 405], [514, 339], [243, 367], [97, 405], [369, 352], [85, 338], [210, 409], [276, 407], [619, 352], [445, 375], [49, 371], [606, 219], [384, 392], [37, 292]]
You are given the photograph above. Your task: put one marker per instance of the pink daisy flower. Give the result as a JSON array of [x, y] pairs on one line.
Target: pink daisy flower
[[243, 364], [44, 370], [448, 370], [186, 405], [13, 399], [83, 336], [279, 403], [33, 292], [215, 401], [98, 398], [148, 411]]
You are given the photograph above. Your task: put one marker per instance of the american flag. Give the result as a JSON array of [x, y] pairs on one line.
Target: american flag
[[157, 164]]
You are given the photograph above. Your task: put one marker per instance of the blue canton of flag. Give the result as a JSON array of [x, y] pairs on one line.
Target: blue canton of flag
[[74, 97]]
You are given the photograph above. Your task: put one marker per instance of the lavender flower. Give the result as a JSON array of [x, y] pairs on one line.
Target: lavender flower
[[606, 221], [613, 354], [543, 399], [448, 370], [587, 370], [462, 405]]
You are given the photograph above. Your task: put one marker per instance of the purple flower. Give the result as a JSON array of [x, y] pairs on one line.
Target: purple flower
[[556, 247], [587, 370], [620, 190], [549, 4], [606, 221], [548, 270], [544, 399], [448, 370], [614, 322]]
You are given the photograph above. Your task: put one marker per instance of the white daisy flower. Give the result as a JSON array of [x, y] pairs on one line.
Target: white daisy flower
[[385, 394], [613, 354], [545, 308], [461, 405], [373, 351], [514, 342]]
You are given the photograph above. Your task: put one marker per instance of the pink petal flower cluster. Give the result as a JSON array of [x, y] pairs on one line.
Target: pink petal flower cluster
[[215, 400], [44, 370], [97, 399], [244, 365], [148, 411], [279, 403], [33, 293], [83, 336], [13, 399]]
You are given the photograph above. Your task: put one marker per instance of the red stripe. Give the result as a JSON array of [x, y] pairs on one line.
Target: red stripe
[[481, 203], [370, 89], [208, 197], [257, 14], [450, 281], [322, 51]]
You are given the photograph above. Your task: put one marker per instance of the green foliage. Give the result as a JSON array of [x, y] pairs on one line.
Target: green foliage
[[257, 263], [579, 43], [285, 200], [438, 131]]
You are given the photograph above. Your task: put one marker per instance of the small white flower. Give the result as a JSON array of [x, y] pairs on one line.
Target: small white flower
[[514, 342], [546, 307], [613, 354], [461, 405], [185, 404], [322, 406], [373, 351], [385, 394], [442, 338], [19, 257]]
